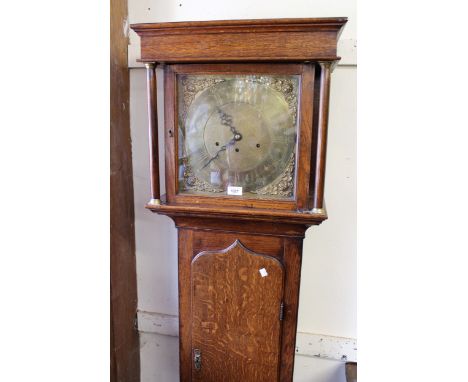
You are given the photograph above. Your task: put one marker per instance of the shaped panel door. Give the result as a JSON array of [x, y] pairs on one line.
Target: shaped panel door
[[236, 324]]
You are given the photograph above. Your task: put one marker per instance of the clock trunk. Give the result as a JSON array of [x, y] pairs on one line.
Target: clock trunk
[[238, 291]]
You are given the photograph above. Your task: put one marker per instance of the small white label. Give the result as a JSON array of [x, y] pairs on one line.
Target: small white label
[[263, 272], [231, 190]]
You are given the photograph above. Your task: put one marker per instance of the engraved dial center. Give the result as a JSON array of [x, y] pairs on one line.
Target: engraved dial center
[[252, 139]]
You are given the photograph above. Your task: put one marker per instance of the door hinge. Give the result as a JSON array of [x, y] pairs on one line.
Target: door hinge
[[197, 359], [281, 314]]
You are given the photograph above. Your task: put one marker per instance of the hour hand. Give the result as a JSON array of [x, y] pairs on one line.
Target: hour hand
[[227, 120]]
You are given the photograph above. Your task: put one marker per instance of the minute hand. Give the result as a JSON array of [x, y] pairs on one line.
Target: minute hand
[[223, 148]]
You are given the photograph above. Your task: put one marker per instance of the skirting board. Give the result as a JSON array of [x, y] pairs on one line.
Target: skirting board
[[307, 344]]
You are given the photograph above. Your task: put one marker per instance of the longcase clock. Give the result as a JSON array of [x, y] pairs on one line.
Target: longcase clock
[[246, 115]]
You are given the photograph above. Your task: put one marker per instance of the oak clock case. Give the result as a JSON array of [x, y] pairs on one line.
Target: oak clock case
[[246, 118]]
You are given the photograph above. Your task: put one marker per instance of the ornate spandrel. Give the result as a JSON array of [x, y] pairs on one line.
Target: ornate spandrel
[[195, 184], [193, 85], [283, 185]]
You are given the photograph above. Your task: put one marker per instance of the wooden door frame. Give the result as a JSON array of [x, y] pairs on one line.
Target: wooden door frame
[[124, 344]]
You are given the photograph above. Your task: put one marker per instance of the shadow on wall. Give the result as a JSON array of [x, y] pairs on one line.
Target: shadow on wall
[[337, 375], [312, 369]]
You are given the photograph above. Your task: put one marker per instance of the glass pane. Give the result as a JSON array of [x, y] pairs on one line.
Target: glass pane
[[237, 135]]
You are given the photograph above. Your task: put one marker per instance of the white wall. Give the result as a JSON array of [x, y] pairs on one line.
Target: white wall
[[328, 284]]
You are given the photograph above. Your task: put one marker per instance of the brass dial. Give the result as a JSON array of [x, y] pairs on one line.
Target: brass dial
[[240, 132]]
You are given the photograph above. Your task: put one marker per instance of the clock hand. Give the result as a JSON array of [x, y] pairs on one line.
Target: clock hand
[[226, 120], [223, 148]]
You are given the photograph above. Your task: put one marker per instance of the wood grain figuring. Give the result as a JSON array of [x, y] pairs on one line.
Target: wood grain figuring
[[170, 133], [238, 68], [292, 259], [240, 40], [315, 119], [322, 131], [124, 346], [241, 227], [236, 315], [287, 250], [233, 213], [239, 47], [245, 25], [227, 200], [209, 241], [153, 130], [304, 145], [185, 340]]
